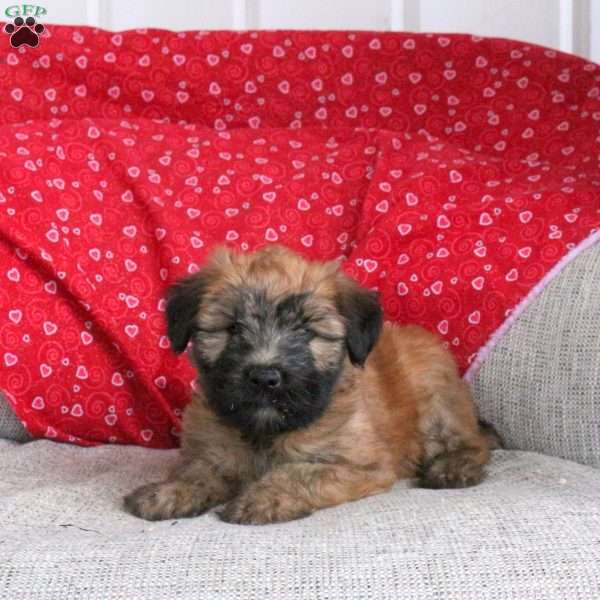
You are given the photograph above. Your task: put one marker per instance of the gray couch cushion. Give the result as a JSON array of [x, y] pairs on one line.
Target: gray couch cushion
[[541, 384], [10, 426], [531, 530]]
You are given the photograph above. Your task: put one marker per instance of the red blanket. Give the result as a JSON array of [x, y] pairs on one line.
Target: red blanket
[[454, 174]]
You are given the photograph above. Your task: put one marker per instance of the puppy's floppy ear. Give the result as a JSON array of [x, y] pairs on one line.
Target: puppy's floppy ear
[[364, 318], [183, 301], [185, 296]]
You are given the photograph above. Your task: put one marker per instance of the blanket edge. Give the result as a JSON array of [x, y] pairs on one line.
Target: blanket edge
[[484, 352]]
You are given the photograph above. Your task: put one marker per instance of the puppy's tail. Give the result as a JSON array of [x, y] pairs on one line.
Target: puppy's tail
[[492, 436]]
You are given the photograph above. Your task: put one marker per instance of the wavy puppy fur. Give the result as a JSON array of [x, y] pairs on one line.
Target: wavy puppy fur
[[306, 400]]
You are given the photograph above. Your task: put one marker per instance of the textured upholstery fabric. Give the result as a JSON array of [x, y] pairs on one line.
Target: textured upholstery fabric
[[10, 426], [530, 531], [541, 384]]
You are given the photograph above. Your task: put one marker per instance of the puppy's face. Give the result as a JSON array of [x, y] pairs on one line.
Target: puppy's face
[[270, 332]]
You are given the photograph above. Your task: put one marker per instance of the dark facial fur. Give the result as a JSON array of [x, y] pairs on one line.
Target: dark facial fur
[[268, 360], [266, 335]]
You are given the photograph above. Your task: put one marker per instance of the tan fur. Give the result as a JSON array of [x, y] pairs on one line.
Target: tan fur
[[405, 414]]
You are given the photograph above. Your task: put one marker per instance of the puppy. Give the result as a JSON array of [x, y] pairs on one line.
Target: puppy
[[306, 399]]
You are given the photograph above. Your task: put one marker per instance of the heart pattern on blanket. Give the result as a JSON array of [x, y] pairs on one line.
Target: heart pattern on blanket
[[450, 173]]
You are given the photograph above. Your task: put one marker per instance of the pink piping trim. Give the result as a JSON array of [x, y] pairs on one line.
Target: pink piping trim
[[485, 351]]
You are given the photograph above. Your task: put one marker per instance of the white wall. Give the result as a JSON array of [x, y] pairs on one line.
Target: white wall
[[571, 25], [534, 20], [595, 26]]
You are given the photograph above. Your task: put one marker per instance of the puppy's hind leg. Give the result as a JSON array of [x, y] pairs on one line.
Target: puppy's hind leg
[[455, 449]]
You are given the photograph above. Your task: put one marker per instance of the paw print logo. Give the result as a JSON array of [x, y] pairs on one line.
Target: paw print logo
[[24, 32]]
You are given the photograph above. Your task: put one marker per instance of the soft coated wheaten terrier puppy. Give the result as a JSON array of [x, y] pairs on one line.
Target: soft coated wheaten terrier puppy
[[306, 400]]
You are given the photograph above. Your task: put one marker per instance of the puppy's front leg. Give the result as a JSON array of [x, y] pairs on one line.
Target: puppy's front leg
[[193, 488], [295, 490]]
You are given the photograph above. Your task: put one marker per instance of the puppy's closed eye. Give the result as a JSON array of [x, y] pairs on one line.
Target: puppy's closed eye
[[230, 328], [324, 332]]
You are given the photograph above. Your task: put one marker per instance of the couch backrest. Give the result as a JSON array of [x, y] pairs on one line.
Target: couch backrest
[[541, 384]]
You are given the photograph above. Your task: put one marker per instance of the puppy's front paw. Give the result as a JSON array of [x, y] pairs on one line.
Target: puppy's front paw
[[260, 506], [167, 500]]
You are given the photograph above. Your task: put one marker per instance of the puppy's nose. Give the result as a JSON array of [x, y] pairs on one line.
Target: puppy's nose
[[266, 377]]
